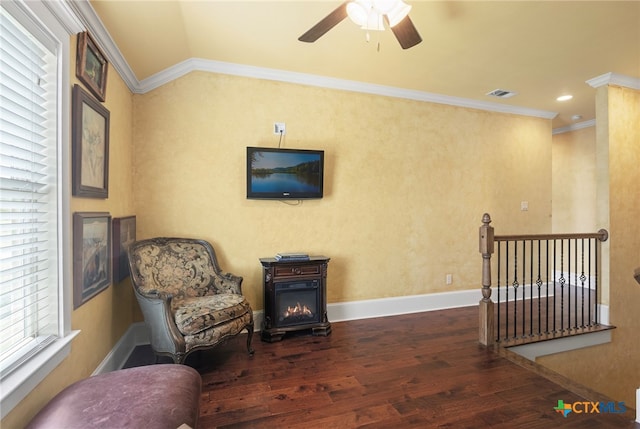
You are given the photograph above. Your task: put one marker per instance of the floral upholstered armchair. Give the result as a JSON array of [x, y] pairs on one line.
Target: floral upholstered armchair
[[188, 303]]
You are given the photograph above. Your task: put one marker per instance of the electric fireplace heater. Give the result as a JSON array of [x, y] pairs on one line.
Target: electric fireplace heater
[[297, 303], [295, 297]]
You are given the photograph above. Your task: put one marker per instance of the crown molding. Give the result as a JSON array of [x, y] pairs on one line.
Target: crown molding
[[615, 79], [598, 81], [198, 64], [92, 23], [65, 15], [86, 18], [574, 127]]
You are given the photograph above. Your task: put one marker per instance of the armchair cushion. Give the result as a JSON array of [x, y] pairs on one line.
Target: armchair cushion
[[194, 315], [217, 334]]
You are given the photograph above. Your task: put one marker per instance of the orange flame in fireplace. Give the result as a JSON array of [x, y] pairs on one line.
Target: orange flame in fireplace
[[298, 310]]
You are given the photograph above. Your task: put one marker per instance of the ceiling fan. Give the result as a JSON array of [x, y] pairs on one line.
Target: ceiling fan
[[370, 15]]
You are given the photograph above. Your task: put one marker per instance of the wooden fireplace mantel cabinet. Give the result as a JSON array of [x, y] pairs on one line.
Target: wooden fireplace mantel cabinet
[[282, 280]]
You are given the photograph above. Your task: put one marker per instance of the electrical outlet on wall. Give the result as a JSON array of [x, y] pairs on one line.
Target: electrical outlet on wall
[[448, 279], [279, 128]]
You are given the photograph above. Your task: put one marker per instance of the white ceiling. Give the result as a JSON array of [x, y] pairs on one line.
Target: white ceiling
[[539, 49]]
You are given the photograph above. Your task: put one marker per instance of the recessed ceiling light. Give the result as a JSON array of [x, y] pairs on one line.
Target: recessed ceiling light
[[564, 98]]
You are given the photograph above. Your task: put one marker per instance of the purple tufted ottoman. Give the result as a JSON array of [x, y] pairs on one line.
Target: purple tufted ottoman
[[154, 396]]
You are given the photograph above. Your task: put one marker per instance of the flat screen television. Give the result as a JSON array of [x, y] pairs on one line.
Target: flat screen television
[[282, 174]]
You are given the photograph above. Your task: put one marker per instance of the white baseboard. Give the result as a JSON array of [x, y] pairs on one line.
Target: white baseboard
[[603, 312], [137, 334], [394, 306], [638, 405]]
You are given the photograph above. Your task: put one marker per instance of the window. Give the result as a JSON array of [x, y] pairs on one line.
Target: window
[[34, 319], [28, 191]]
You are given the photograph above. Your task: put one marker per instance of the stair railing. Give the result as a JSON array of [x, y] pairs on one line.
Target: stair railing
[[547, 285]]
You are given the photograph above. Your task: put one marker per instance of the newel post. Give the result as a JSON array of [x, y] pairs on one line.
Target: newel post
[[487, 331]]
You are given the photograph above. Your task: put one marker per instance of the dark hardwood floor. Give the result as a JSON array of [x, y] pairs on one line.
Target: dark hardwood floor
[[422, 370]]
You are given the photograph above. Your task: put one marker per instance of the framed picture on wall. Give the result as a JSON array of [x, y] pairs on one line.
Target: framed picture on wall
[[90, 146], [91, 66], [124, 234], [91, 255]]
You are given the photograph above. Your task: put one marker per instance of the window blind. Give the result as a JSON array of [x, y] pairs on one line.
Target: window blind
[[28, 194]]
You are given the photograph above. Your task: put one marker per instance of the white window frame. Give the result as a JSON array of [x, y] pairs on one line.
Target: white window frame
[[57, 20]]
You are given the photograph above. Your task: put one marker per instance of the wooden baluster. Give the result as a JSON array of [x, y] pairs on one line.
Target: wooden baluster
[[487, 329]]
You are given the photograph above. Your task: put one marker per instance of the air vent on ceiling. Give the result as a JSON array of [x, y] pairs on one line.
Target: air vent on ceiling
[[502, 93]]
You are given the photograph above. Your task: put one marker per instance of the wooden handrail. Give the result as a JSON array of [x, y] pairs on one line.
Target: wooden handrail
[[601, 235]]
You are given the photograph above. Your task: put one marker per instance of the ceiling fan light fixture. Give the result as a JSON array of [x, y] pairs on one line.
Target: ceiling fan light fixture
[[374, 23], [370, 15], [364, 14], [384, 6], [397, 13], [359, 11]]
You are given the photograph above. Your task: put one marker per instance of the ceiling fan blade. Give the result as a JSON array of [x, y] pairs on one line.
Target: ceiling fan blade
[[406, 33], [326, 24]]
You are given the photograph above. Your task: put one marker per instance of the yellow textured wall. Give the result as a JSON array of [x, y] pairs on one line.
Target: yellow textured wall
[[614, 369], [406, 182], [574, 189], [573, 157], [106, 317]]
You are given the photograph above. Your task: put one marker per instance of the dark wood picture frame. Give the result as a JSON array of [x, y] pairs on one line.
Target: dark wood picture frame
[[90, 146], [91, 66], [124, 234], [91, 255]]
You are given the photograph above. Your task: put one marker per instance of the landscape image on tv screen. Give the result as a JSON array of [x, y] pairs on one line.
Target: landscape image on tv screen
[[285, 173]]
